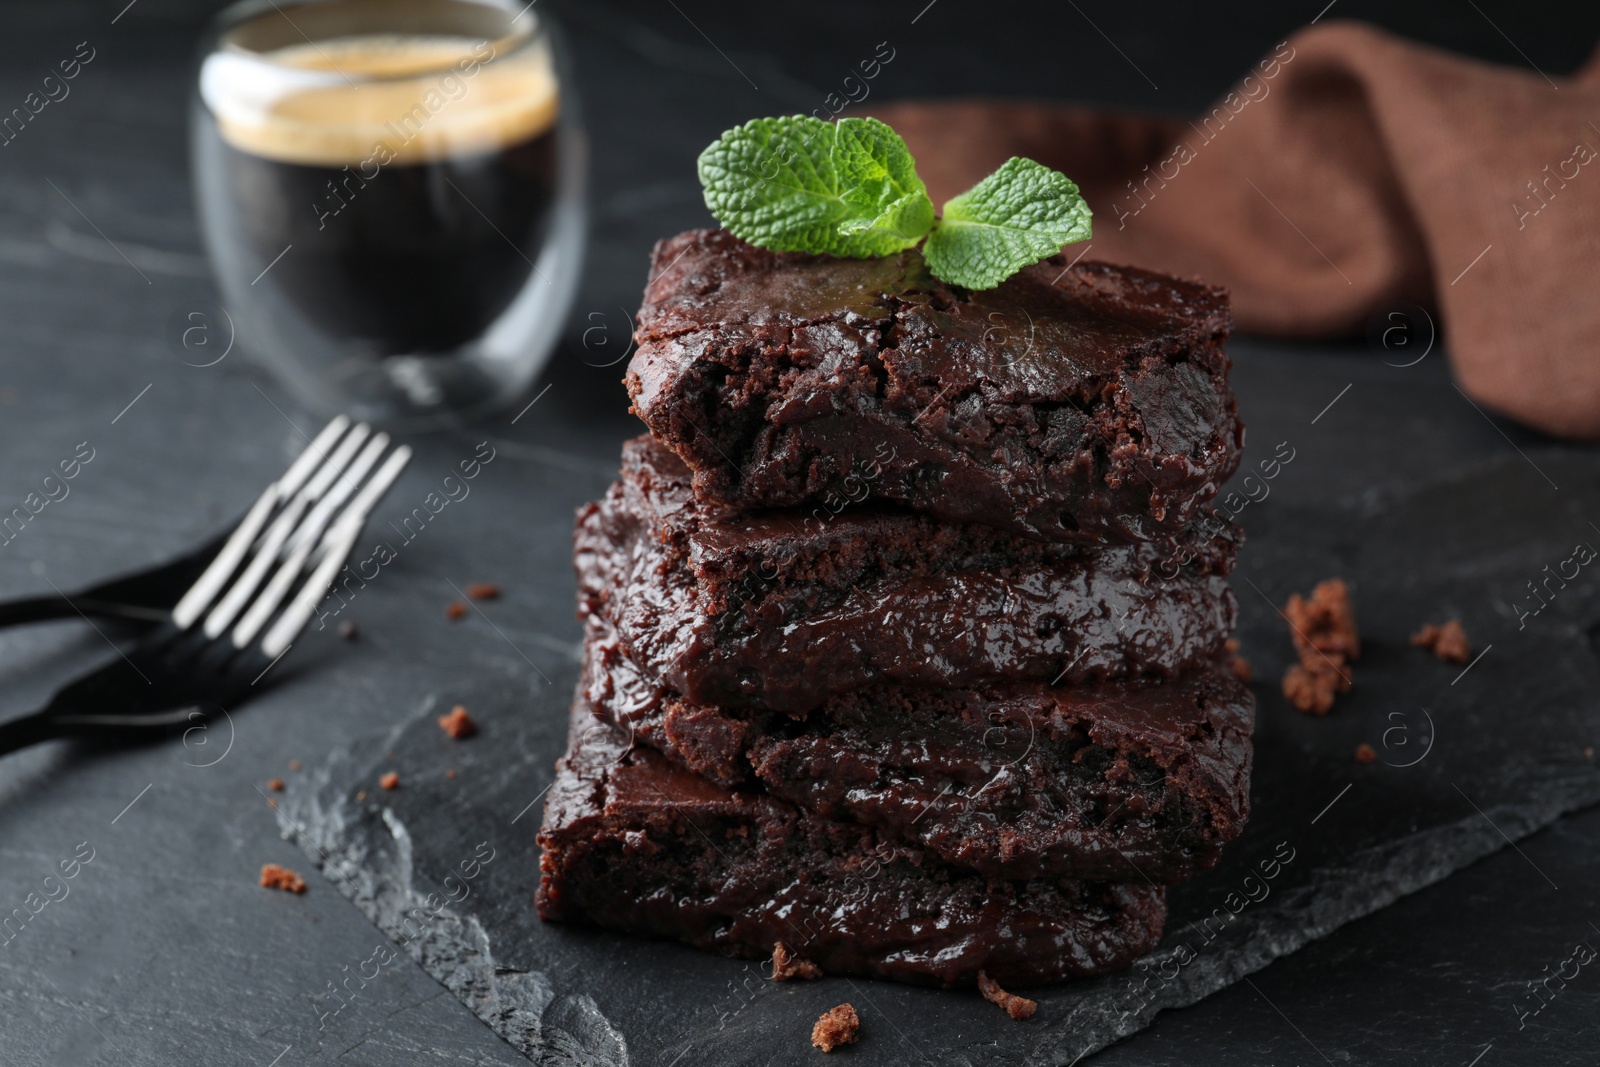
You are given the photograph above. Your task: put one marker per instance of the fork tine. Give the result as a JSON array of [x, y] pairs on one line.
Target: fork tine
[[206, 587], [303, 464], [341, 540], [357, 512], [311, 529], [341, 543], [305, 539], [277, 535], [319, 483], [272, 594]]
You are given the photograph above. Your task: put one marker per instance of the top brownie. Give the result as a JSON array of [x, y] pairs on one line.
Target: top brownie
[[1075, 402]]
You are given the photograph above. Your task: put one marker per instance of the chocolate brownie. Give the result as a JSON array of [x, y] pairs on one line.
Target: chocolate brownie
[[1074, 402], [1120, 781], [779, 610], [633, 842]]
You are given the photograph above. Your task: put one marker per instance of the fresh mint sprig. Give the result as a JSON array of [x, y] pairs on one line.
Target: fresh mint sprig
[[804, 185], [850, 188]]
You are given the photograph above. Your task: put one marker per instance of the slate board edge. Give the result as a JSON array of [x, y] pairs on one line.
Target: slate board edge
[[522, 1008], [559, 1028], [1309, 914]]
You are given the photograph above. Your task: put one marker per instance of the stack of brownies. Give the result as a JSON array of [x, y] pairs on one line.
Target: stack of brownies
[[906, 627]]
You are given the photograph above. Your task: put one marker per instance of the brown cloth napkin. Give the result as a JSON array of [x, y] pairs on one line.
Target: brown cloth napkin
[[1349, 170]]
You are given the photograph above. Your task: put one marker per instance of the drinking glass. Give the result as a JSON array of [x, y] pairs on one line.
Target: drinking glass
[[391, 193]]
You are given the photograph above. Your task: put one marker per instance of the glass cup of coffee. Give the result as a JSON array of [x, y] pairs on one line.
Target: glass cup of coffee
[[391, 193]]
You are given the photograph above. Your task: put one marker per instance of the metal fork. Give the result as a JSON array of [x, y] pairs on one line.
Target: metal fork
[[235, 622]]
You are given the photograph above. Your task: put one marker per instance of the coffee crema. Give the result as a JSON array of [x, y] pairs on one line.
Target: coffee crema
[[391, 97]]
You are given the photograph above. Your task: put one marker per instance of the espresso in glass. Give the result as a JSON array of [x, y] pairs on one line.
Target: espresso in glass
[[389, 197]]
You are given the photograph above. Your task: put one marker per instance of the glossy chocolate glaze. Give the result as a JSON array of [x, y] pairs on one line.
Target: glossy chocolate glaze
[[1118, 781], [634, 843], [782, 610], [1075, 402]]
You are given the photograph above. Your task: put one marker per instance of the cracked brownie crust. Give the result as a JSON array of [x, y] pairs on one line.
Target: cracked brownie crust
[[1118, 781], [1080, 403], [634, 843], [782, 611]]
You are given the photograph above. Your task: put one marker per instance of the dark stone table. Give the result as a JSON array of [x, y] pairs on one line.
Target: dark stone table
[[165, 951]]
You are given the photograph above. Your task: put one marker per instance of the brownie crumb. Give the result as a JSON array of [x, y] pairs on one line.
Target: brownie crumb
[[483, 591], [1324, 632], [275, 784], [450, 774], [1365, 753], [1325, 622], [294, 765], [276, 877], [455, 610], [390, 781], [348, 630], [838, 1026], [273, 804], [458, 723], [1588, 753], [1238, 664], [361, 795], [1448, 642], [1015, 1006], [1311, 689], [786, 965]]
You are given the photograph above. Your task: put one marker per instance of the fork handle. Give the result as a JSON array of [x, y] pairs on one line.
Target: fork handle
[[28, 730], [57, 722], [44, 608]]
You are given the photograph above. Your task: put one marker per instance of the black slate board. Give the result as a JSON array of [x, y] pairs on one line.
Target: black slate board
[[168, 953], [1469, 760]]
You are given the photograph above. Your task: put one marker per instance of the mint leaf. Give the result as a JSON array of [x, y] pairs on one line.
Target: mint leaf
[[1018, 215], [850, 188], [800, 184]]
